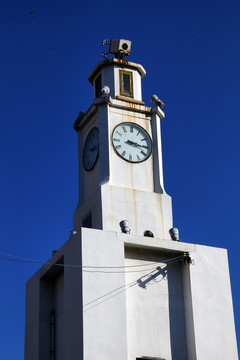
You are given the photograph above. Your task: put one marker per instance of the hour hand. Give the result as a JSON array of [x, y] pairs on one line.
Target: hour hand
[[129, 142]]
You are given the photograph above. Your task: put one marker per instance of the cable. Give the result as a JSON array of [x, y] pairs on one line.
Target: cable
[[99, 269], [123, 287], [9, 257], [130, 271], [115, 272], [95, 271], [126, 287]]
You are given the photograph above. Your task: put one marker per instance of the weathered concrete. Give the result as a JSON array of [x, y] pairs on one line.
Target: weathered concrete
[[110, 295], [155, 306]]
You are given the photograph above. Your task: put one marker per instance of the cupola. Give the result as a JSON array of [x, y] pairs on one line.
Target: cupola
[[122, 77]]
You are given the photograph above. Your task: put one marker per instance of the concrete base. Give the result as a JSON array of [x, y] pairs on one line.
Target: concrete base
[[132, 298]]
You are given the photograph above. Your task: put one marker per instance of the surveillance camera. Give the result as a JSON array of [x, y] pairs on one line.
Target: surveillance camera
[[155, 100], [120, 46], [105, 91]]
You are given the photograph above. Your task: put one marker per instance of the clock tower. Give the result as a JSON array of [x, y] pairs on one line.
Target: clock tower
[[120, 154], [120, 288]]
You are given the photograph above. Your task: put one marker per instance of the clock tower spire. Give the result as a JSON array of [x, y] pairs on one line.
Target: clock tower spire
[[120, 152]]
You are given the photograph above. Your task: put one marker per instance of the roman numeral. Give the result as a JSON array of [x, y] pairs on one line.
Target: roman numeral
[[124, 129], [117, 132], [123, 153], [130, 157], [118, 146], [116, 140], [142, 152], [131, 129]]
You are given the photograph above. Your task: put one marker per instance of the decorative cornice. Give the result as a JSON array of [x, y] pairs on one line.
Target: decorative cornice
[[119, 62]]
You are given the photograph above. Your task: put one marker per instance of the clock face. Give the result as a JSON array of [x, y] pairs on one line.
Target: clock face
[[91, 149], [131, 142]]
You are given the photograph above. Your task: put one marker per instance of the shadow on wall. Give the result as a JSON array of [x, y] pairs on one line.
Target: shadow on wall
[[154, 276]]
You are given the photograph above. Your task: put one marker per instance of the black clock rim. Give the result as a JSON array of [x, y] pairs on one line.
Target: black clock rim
[[84, 148], [133, 162]]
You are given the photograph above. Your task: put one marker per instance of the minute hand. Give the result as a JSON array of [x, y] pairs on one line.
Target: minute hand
[[132, 143]]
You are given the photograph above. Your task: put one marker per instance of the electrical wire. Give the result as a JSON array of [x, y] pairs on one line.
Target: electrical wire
[[123, 288], [130, 271], [115, 272], [9, 257], [109, 270]]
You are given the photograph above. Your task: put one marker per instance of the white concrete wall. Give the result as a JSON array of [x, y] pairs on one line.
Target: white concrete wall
[[50, 290], [193, 307], [155, 307], [104, 306], [144, 210], [184, 312], [212, 309]]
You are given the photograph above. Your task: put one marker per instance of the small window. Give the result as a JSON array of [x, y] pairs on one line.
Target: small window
[[126, 87], [98, 86], [87, 221]]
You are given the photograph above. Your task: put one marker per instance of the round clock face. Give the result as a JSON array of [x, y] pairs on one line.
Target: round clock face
[[131, 142], [91, 149]]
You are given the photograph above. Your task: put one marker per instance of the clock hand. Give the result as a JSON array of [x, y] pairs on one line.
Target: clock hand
[[129, 142]]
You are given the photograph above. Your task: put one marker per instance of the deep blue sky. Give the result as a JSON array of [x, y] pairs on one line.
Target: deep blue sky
[[190, 50]]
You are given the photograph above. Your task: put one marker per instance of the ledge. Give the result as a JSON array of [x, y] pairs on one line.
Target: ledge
[[114, 61], [168, 246], [128, 99]]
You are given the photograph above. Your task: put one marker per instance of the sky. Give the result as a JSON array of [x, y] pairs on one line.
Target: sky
[[190, 50]]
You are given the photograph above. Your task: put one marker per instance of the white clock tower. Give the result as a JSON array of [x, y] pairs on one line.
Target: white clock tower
[[120, 155], [121, 288]]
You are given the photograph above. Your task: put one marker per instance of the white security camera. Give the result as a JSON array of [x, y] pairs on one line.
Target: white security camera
[[155, 100], [120, 46], [105, 91]]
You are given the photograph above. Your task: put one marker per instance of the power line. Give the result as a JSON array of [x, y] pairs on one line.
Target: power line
[[169, 262], [10, 257], [107, 296]]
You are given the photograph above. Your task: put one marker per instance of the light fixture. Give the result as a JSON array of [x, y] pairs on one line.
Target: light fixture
[[148, 233], [174, 233], [124, 226]]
